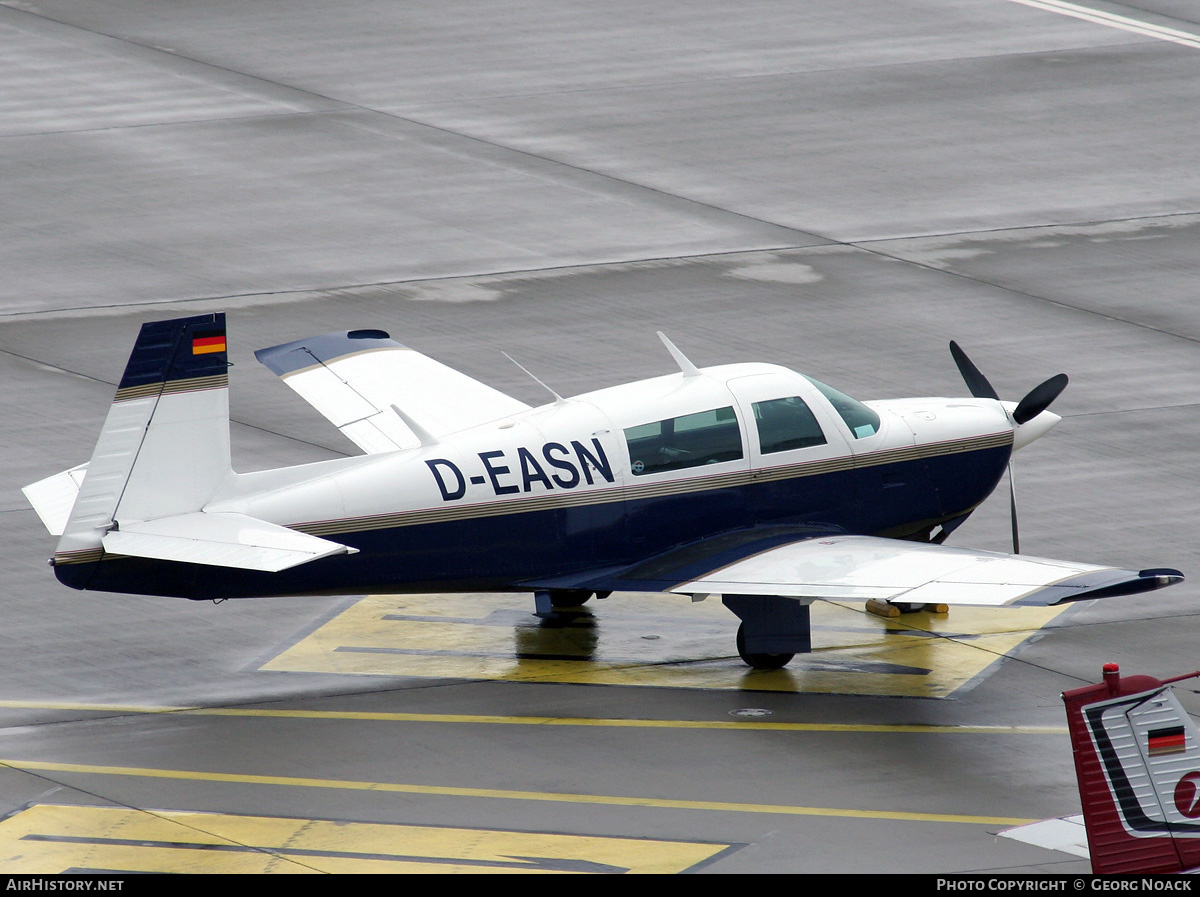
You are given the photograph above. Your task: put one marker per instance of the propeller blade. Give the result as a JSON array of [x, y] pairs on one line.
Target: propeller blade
[[1012, 504], [976, 382], [1039, 398]]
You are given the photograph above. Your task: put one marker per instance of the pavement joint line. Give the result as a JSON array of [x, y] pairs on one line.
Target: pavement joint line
[[488, 719], [1007, 228], [342, 107], [1014, 291], [507, 794], [301, 293]]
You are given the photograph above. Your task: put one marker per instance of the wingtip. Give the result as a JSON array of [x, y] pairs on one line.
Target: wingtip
[[1163, 576], [287, 358]]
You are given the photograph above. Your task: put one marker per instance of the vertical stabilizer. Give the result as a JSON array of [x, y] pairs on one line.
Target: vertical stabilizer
[[164, 447], [1137, 758]]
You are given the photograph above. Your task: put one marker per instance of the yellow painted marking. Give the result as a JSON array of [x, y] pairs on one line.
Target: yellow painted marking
[[487, 720], [659, 640], [52, 839], [503, 794]]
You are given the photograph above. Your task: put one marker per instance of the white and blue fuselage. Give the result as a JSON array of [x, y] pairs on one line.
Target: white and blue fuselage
[[749, 481]]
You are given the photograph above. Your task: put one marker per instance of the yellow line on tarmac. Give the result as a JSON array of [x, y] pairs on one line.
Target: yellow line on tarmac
[[489, 720], [503, 794]]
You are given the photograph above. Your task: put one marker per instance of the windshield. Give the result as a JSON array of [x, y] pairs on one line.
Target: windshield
[[861, 420]]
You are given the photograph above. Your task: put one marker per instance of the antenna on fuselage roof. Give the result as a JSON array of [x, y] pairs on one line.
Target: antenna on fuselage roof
[[558, 400], [685, 365], [426, 438]]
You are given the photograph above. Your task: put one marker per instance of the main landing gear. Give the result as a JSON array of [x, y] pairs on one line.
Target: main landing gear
[[773, 630]]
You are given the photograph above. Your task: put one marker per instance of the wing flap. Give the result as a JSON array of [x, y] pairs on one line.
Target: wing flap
[[354, 378], [865, 567], [221, 540]]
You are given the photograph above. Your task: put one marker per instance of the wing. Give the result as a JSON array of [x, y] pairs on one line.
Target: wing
[[798, 563], [864, 567], [355, 378]]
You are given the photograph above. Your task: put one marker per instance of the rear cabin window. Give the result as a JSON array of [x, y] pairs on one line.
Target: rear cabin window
[[692, 440], [786, 424], [861, 420]]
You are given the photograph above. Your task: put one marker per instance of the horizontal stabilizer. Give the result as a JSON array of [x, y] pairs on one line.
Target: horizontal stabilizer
[[221, 540], [54, 497], [859, 568], [1066, 834], [354, 378]]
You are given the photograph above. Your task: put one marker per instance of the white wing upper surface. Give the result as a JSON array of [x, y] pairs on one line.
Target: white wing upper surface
[[857, 568], [354, 378]]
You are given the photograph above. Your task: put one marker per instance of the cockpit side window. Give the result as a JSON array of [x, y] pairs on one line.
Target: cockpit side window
[[786, 424], [861, 420], [693, 440]]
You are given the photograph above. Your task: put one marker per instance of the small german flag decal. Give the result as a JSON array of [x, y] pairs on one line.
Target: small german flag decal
[[206, 343], [1166, 741]]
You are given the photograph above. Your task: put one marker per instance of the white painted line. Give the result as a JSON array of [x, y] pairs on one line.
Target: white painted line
[[1114, 21]]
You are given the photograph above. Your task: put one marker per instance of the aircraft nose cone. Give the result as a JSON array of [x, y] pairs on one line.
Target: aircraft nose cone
[[1032, 429]]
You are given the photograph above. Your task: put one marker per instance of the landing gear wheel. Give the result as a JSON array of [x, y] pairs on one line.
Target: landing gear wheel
[[761, 661], [562, 598]]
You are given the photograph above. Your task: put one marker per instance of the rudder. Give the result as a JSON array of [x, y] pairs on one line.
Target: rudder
[[164, 447]]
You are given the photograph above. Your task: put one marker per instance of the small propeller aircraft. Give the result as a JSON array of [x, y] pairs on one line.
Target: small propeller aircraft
[[747, 481], [1137, 760]]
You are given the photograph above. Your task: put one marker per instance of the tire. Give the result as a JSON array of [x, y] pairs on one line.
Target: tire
[[760, 661]]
